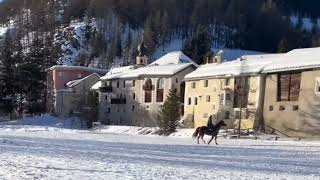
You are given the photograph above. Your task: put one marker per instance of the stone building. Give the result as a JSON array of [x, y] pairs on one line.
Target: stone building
[[133, 95], [66, 84]]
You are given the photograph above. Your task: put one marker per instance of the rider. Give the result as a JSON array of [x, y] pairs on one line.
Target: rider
[[210, 124]]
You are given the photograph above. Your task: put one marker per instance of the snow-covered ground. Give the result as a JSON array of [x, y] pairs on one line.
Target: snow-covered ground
[[30, 152]]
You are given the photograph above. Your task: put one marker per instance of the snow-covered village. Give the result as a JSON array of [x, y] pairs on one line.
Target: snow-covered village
[[159, 89]]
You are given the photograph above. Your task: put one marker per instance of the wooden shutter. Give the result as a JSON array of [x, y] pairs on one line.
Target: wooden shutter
[[295, 86]]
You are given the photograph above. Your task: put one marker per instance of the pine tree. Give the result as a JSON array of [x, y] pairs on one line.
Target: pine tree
[[170, 113], [198, 46], [8, 84], [283, 46]]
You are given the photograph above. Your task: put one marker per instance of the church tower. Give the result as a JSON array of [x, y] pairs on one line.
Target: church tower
[[142, 59]]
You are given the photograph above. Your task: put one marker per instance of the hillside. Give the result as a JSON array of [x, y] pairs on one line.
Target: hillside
[[35, 35]]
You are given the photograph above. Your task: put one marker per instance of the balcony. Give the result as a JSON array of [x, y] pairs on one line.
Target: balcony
[[118, 101], [106, 89]]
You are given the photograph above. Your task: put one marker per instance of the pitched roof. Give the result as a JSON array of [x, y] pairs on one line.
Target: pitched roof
[[84, 68], [265, 63], [78, 81], [175, 57], [167, 65]]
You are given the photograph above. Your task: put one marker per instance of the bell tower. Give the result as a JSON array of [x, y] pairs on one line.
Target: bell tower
[[142, 58]]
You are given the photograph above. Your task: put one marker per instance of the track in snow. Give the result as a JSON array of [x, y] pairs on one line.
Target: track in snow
[[85, 155]]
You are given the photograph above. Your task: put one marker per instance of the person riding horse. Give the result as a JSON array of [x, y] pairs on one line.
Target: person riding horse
[[210, 124]]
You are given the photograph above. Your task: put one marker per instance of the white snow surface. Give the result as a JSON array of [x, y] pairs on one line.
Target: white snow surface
[[264, 63], [32, 153]]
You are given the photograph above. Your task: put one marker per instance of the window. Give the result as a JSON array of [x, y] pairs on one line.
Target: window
[[227, 82], [193, 85], [60, 74], [206, 83], [106, 98], [124, 83], [133, 83], [134, 96], [213, 107], [132, 108], [124, 110], [189, 101], [270, 108], [317, 85], [222, 96], [228, 96], [227, 115], [148, 91], [177, 80], [118, 84], [205, 115], [288, 87], [160, 87], [214, 89], [237, 114], [79, 76], [295, 108], [282, 108], [195, 101], [208, 98], [108, 110]]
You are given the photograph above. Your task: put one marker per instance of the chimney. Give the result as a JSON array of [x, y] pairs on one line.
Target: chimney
[[219, 58]]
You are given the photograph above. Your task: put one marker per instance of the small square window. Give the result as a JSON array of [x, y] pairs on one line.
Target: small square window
[[214, 89], [208, 98], [318, 85], [227, 115], [193, 85], [206, 83], [295, 108], [270, 108], [227, 82], [205, 115], [189, 101], [282, 108], [228, 96]]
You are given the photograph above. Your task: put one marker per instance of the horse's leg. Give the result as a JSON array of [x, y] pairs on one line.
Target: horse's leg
[[198, 139], [216, 139], [203, 139], [210, 140]]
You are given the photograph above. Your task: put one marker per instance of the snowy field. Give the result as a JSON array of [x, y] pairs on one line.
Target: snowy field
[[38, 152]]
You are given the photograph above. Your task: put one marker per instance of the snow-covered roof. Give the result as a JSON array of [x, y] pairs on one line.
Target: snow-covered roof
[[230, 68], [164, 70], [77, 81], [90, 69], [97, 85], [264, 63], [176, 57], [167, 65], [296, 59]]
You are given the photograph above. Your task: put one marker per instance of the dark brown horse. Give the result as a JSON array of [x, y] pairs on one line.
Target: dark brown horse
[[201, 131]]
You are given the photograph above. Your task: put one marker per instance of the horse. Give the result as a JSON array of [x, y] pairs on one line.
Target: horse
[[201, 131]]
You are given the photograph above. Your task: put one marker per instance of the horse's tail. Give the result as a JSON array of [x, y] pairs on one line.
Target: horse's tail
[[195, 134]]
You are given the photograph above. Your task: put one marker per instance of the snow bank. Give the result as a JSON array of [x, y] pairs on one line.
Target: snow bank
[[44, 122]]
